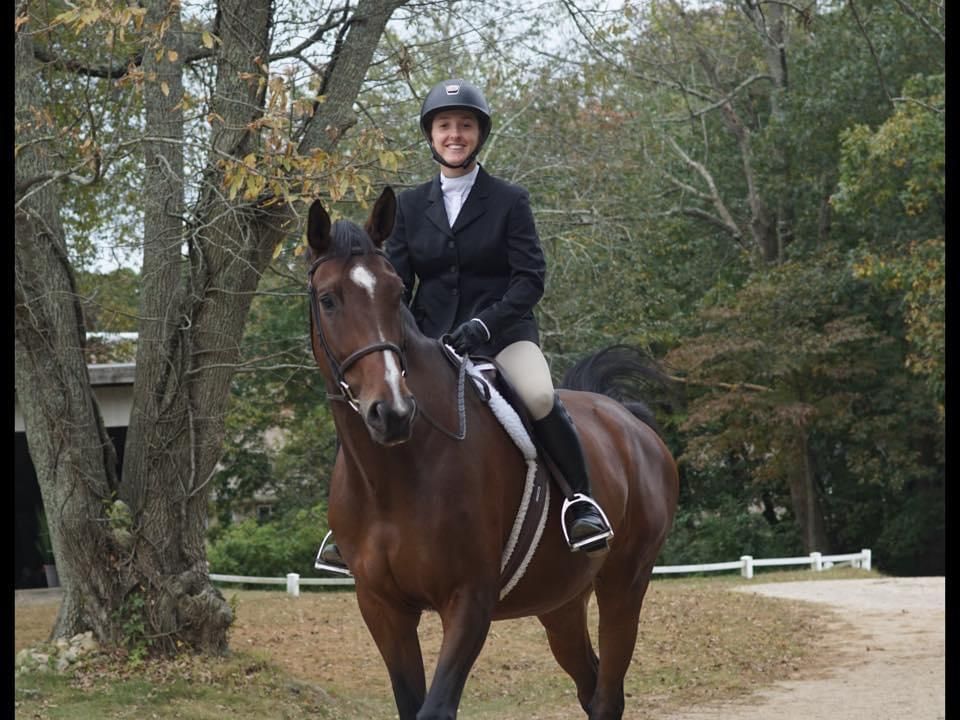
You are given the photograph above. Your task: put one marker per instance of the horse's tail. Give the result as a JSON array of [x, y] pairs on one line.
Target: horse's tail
[[622, 372]]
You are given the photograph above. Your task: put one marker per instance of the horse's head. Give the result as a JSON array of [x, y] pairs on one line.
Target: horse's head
[[357, 335]]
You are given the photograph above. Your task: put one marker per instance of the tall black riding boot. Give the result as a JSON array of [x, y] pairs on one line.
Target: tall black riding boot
[[586, 527]]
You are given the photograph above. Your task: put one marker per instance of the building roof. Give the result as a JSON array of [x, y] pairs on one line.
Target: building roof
[[112, 374]]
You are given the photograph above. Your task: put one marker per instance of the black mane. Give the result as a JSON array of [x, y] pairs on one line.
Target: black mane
[[347, 238]]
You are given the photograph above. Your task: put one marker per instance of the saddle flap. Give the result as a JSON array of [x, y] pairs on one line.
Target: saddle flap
[[493, 374]]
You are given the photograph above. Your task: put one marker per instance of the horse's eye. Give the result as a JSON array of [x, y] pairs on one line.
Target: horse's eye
[[327, 302]]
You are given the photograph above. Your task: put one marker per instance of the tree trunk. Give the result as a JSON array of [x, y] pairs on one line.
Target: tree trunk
[[805, 498], [135, 550], [71, 451]]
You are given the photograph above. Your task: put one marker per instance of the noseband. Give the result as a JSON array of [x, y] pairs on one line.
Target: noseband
[[339, 369]]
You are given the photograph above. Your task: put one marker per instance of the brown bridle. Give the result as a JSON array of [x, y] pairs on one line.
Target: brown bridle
[[339, 369]]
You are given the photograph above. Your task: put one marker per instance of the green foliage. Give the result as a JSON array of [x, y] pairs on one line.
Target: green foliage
[[896, 174], [913, 540], [893, 186], [725, 532], [280, 435], [827, 363], [132, 622], [283, 545]]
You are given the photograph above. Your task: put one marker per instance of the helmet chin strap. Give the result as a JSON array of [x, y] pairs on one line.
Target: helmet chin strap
[[462, 166]]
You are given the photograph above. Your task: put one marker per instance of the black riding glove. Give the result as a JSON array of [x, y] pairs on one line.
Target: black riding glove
[[468, 337]]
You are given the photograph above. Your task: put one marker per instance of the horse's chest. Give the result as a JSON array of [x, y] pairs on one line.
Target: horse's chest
[[406, 560]]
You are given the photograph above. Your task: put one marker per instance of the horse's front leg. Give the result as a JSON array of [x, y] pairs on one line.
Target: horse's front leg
[[466, 622], [395, 633]]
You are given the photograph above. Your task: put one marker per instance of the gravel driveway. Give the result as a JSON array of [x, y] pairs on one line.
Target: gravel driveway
[[892, 663]]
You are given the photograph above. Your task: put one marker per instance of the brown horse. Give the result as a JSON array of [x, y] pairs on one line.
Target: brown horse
[[422, 517]]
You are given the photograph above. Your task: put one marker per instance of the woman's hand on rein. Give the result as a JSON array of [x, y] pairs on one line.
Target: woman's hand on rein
[[469, 336]]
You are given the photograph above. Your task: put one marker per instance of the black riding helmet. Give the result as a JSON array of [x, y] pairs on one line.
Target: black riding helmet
[[455, 95]]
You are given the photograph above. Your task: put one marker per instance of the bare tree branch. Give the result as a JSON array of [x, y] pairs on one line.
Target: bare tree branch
[[721, 102], [75, 66], [721, 385], [24, 190], [106, 72], [714, 195], [316, 36]]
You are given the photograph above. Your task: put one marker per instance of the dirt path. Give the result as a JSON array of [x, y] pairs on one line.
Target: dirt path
[[891, 665]]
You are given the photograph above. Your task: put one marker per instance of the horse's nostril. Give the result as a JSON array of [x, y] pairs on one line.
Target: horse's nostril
[[375, 414]]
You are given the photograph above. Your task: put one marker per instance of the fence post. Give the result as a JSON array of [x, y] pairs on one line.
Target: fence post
[[816, 561], [867, 558], [293, 584], [747, 569]]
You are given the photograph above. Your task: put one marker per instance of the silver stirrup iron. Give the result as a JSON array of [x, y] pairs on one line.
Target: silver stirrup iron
[[321, 565], [580, 498]]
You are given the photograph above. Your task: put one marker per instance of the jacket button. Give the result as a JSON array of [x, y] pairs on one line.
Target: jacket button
[[450, 243], [453, 268], [455, 291]]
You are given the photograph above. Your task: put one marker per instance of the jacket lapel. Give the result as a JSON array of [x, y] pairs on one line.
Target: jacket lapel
[[476, 203], [436, 210]]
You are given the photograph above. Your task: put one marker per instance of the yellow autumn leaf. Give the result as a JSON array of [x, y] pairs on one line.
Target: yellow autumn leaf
[[250, 161], [172, 55], [138, 15], [207, 40], [235, 184], [164, 88]]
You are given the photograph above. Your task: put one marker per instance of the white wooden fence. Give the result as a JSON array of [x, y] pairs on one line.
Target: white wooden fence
[[745, 565]]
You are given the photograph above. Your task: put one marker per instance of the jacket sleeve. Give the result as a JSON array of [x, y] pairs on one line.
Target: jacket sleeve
[[527, 269], [398, 253]]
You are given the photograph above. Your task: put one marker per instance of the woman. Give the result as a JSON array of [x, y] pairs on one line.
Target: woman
[[470, 241]]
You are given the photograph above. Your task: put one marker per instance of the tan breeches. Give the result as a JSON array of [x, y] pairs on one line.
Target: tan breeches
[[526, 369]]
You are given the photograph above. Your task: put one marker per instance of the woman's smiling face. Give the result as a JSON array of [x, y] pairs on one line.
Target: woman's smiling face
[[455, 134]]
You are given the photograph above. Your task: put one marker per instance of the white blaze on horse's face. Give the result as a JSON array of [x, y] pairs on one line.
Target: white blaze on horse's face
[[368, 281], [364, 278]]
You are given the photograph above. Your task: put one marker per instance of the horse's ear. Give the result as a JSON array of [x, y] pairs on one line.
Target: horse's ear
[[318, 229], [380, 224]]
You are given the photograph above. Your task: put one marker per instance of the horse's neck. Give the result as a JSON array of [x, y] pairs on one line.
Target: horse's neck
[[428, 372]]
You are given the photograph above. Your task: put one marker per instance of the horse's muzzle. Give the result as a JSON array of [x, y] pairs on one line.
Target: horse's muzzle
[[391, 424]]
